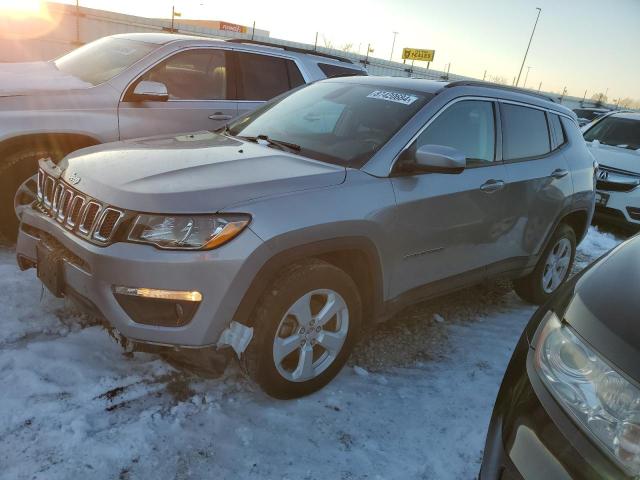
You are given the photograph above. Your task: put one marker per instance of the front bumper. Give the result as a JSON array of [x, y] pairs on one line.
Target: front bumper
[[90, 272], [622, 208], [531, 437]]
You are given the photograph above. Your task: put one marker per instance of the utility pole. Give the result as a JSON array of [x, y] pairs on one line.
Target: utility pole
[[448, 68], [524, 85], [315, 45], [174, 14], [253, 30], [540, 86], [78, 22], [584, 97], [484, 76], [529, 45], [366, 60], [393, 45]]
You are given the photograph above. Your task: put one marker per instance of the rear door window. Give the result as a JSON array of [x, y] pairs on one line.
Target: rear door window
[[330, 70], [468, 126], [193, 75], [262, 77], [525, 133]]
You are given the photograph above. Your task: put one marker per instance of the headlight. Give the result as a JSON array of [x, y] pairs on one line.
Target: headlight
[[189, 232], [605, 404]]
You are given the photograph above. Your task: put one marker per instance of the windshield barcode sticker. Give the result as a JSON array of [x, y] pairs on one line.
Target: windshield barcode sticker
[[393, 97]]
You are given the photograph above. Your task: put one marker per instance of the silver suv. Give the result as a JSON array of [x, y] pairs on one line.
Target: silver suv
[[294, 228], [134, 85]]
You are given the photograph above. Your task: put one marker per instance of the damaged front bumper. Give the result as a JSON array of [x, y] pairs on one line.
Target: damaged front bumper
[[107, 280]]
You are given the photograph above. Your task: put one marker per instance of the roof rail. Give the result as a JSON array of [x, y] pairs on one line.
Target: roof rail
[[290, 49], [479, 83]]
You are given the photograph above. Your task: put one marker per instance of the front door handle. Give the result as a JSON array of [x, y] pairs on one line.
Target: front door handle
[[491, 186], [219, 116], [560, 173]]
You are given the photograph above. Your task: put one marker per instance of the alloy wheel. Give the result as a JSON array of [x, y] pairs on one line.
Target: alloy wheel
[[310, 335], [557, 265]]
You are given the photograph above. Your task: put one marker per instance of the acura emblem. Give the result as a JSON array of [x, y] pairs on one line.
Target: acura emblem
[[603, 174], [74, 179]]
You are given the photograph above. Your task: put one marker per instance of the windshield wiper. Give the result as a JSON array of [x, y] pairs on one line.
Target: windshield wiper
[[273, 142], [223, 129]]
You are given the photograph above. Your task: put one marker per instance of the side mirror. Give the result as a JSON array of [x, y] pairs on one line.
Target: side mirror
[[439, 159], [148, 91]]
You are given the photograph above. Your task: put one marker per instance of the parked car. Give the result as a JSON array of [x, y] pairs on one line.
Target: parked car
[[569, 404], [303, 223], [588, 115], [615, 143], [135, 85]]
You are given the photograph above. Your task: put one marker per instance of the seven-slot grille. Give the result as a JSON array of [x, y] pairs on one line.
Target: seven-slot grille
[[79, 213]]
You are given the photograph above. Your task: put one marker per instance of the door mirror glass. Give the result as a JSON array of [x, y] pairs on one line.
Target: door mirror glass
[[439, 159], [148, 91]]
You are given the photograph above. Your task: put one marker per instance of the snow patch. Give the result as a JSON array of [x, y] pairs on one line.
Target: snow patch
[[361, 372]]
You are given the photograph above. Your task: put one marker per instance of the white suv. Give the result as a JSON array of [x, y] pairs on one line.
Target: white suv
[[615, 143], [134, 85]]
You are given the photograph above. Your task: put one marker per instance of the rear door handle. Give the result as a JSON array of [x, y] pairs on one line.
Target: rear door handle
[[219, 116], [560, 173], [491, 186]]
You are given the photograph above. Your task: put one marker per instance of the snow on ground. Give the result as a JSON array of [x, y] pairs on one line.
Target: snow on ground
[[414, 404]]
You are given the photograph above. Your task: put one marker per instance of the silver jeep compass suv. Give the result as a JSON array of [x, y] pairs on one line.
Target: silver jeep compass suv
[[294, 228]]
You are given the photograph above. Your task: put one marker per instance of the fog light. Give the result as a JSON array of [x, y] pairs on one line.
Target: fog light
[[162, 308], [180, 295]]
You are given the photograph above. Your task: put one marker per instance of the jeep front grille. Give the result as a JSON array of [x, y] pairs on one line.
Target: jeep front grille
[[83, 215]]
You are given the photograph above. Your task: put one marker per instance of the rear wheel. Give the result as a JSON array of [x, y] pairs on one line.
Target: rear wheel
[[15, 168], [305, 326], [552, 269]]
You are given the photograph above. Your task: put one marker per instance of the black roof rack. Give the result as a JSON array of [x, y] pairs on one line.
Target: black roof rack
[[479, 83], [290, 49]]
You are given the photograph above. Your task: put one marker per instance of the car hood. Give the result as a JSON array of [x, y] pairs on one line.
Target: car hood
[[201, 172], [616, 157], [29, 78], [606, 304]]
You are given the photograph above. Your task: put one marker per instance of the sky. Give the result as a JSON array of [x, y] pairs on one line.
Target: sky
[[579, 44]]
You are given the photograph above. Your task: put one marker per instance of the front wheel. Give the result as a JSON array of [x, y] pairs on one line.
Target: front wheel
[[552, 269], [305, 326], [15, 168]]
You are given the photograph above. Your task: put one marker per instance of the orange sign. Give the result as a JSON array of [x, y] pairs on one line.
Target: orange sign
[[232, 27]]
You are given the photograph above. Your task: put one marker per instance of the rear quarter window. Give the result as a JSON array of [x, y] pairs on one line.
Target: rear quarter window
[[525, 133], [558, 133]]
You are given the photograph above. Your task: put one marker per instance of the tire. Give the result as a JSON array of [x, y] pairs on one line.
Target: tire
[[15, 168], [540, 285], [309, 366]]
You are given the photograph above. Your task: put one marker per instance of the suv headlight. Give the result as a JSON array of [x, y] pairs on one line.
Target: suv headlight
[[605, 404], [186, 232]]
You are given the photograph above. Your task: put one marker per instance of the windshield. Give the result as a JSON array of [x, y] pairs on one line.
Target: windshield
[[103, 59], [343, 123], [616, 131]]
